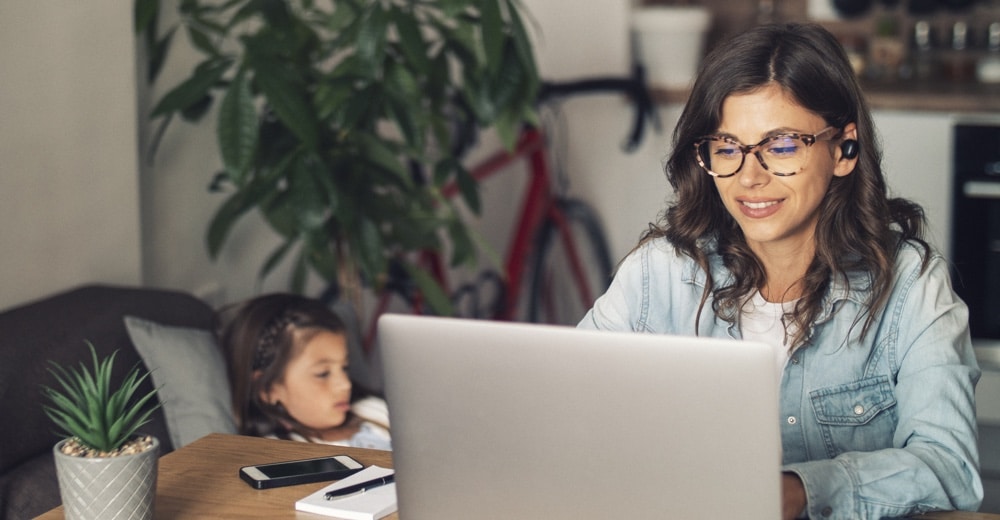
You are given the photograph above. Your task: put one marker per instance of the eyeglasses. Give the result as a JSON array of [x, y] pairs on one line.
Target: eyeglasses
[[782, 154]]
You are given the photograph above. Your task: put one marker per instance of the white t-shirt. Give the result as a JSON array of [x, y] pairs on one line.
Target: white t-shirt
[[760, 320], [373, 432]]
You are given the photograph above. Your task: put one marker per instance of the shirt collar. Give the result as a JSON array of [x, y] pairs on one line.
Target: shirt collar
[[854, 286]]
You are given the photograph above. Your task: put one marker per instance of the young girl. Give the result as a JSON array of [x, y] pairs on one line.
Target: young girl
[[287, 362]]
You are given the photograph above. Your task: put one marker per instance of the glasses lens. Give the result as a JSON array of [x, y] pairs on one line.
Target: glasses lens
[[720, 157], [784, 154]]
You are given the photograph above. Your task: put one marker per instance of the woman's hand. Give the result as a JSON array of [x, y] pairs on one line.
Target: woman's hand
[[793, 496]]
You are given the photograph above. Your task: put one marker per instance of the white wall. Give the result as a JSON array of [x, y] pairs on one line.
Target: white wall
[[68, 185]]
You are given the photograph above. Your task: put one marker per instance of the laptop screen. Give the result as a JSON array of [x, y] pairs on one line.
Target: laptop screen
[[509, 420]]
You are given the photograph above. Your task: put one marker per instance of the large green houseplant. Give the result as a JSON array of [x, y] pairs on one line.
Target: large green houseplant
[[336, 120]]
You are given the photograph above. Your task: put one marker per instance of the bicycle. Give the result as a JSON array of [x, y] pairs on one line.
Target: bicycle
[[558, 260]]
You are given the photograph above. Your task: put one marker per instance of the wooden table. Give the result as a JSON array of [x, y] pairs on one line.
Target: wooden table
[[200, 481]]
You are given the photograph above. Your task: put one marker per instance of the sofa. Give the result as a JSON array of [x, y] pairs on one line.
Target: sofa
[[57, 328], [168, 332]]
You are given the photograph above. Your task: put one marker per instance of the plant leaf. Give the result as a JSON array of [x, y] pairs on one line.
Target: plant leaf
[[437, 300], [522, 43], [492, 34], [469, 188], [145, 12], [463, 249], [194, 88], [342, 16], [508, 127], [410, 40], [299, 273], [377, 152], [237, 129], [245, 199], [402, 113], [331, 96], [157, 54], [320, 256], [201, 41], [288, 100], [369, 249], [370, 41], [276, 257]]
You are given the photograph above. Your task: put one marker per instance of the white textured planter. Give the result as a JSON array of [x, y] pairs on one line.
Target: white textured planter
[[111, 488]]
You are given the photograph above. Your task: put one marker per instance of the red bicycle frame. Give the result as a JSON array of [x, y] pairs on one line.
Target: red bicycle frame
[[536, 206], [530, 145]]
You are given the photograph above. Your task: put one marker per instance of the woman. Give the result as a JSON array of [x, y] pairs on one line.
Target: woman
[[782, 232]]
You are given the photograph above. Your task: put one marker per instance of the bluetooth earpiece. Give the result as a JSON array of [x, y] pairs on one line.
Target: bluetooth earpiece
[[849, 149]]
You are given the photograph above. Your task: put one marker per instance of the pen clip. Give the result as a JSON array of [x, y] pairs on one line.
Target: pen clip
[[346, 495]]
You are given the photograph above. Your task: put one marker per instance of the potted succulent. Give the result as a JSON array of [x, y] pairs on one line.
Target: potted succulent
[[336, 120], [105, 468]]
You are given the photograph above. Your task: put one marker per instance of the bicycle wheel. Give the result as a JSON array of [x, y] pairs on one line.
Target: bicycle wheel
[[571, 266]]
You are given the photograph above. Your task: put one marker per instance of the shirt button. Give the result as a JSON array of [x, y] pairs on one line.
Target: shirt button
[[792, 419], [827, 511], [795, 360], [858, 409]]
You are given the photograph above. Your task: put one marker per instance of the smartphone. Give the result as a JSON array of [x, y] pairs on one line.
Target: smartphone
[[291, 472]]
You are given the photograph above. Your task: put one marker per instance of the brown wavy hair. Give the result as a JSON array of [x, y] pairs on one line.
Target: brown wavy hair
[[262, 335], [860, 228]]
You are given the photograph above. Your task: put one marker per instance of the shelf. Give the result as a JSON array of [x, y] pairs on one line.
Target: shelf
[[916, 96]]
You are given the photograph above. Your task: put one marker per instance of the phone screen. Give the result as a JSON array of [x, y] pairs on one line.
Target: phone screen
[[302, 467]]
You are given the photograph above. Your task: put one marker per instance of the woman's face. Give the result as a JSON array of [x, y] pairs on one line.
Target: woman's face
[[778, 214], [315, 389]]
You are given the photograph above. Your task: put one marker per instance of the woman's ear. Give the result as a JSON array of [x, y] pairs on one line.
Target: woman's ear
[[846, 154]]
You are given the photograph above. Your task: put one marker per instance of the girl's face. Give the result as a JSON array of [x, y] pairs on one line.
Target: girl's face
[[778, 212], [315, 388]]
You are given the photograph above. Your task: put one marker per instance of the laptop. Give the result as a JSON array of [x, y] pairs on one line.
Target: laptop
[[500, 420]]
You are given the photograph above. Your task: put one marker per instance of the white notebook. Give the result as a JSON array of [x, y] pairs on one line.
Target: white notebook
[[369, 505]]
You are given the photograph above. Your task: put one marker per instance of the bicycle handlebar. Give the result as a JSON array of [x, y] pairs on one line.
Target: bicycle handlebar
[[634, 87]]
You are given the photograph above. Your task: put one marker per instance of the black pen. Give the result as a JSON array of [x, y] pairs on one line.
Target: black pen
[[363, 486]]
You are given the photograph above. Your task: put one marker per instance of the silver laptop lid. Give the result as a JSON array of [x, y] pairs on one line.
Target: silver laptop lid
[[517, 421]]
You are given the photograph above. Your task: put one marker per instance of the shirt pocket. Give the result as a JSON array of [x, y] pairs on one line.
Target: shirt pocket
[[859, 416]]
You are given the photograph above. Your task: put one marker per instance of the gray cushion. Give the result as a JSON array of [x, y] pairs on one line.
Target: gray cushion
[[190, 375]]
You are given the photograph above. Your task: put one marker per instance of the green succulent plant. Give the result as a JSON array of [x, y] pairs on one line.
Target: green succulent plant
[[86, 408]]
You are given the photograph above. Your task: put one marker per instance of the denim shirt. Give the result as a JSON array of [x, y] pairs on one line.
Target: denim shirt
[[879, 426]]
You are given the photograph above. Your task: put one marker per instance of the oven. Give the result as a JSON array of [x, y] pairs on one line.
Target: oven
[[975, 233]]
